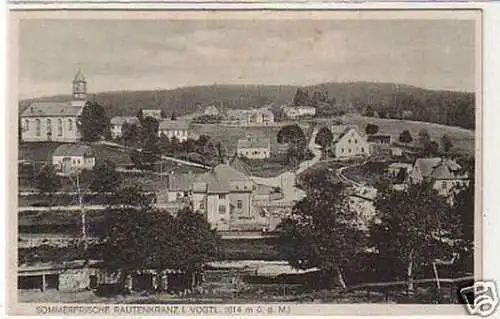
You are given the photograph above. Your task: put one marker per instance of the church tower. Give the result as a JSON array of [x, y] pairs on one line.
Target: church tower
[[79, 89]]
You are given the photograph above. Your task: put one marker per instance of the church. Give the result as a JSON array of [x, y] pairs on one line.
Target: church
[[55, 121]]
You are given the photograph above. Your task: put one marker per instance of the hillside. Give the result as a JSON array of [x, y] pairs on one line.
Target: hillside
[[444, 107]]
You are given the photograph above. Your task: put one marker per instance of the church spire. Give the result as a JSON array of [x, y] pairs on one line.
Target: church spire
[[79, 86]]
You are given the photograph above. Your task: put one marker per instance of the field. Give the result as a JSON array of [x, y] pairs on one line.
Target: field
[[462, 139], [229, 135]]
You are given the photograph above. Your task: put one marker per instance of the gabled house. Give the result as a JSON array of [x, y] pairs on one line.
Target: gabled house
[[254, 148], [174, 128], [348, 142], [445, 175], [69, 157]]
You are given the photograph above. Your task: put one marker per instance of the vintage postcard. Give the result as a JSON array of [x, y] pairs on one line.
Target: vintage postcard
[[246, 162]]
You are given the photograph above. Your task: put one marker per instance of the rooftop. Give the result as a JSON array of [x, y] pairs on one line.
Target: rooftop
[[119, 120], [253, 142], [221, 179], [59, 109], [173, 125], [73, 150]]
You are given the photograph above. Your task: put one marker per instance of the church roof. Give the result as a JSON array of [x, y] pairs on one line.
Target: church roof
[[55, 109], [79, 77]]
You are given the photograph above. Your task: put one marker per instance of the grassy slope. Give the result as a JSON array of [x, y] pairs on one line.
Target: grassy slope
[[463, 139]]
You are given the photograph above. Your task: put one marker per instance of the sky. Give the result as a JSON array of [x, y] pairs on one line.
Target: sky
[[166, 54]]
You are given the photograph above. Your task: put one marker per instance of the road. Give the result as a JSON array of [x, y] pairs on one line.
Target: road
[[287, 180]]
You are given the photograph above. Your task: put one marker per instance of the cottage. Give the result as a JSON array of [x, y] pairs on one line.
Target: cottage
[[69, 157], [295, 112], [348, 142], [444, 174], [118, 122], [55, 121], [174, 128], [262, 116], [154, 113], [254, 148]]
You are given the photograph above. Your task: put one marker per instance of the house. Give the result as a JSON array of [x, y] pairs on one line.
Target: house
[[212, 110], [296, 112], [348, 142], [254, 148], [379, 139], [174, 128], [118, 122], [222, 193], [444, 174], [399, 170], [261, 116], [70, 157], [154, 113], [55, 121]]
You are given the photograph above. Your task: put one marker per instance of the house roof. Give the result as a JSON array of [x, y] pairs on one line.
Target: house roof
[[120, 120], [56, 109], [447, 169], [375, 138], [173, 125], [400, 165], [221, 178], [181, 182], [73, 150], [339, 131], [426, 165], [253, 142]]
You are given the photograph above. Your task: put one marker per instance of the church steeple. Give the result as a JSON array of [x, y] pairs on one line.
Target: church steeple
[[79, 86]]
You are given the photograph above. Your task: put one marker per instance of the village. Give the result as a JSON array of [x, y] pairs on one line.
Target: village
[[243, 170]]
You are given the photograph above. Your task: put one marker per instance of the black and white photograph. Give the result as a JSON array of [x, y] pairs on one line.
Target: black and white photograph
[[274, 158]]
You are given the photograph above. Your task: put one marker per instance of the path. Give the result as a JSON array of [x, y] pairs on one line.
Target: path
[[287, 180]]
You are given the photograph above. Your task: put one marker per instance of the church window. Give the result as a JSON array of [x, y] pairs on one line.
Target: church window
[[70, 125], [26, 125], [49, 126], [38, 127], [59, 127]]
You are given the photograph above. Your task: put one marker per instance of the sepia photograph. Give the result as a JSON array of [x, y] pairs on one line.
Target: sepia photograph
[[274, 158]]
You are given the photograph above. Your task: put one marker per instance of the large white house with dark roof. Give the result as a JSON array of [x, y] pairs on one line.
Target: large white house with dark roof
[[348, 142], [55, 121]]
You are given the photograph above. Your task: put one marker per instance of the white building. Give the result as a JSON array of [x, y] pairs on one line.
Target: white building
[[254, 148], [55, 121], [69, 157], [154, 113], [174, 128], [348, 142], [295, 112], [118, 122]]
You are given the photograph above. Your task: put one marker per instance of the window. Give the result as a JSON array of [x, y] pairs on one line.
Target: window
[[49, 126], [37, 127], [355, 141], [349, 141], [26, 125], [70, 125], [59, 127], [239, 204], [342, 150], [74, 161], [222, 209], [443, 184], [362, 150], [78, 161], [179, 195], [222, 196], [349, 150]]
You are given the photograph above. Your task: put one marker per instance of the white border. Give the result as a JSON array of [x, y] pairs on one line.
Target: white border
[[491, 96]]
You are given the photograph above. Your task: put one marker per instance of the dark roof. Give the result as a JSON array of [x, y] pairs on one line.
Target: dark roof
[[447, 169], [73, 150], [180, 182], [173, 125], [56, 109], [377, 138]]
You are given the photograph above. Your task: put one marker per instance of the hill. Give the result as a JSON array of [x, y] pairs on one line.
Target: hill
[[444, 107]]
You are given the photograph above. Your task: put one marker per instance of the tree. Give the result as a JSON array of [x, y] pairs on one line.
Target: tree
[[47, 181], [292, 134], [405, 137], [130, 136], [132, 197], [149, 130], [321, 231], [105, 178], [413, 229], [463, 211], [371, 129], [324, 137], [369, 111], [148, 238], [94, 123], [431, 149], [446, 143], [424, 139], [301, 98], [174, 116]]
